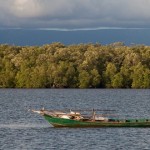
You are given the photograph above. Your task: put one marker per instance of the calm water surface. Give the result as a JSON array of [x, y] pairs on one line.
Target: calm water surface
[[23, 130]]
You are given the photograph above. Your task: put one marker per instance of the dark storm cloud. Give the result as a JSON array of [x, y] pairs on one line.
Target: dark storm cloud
[[75, 13]]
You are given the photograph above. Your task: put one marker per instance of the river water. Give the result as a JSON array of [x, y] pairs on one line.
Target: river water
[[22, 130]]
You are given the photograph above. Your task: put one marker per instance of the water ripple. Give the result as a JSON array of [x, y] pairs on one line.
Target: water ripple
[[23, 130]]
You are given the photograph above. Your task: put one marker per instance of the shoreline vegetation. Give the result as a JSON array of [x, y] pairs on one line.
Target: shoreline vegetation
[[89, 65]]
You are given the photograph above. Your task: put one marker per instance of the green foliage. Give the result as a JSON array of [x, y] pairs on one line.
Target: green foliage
[[146, 82], [109, 74], [140, 77], [95, 78], [117, 81], [75, 66], [84, 79]]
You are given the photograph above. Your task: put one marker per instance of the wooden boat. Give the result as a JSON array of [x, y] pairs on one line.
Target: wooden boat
[[75, 119]]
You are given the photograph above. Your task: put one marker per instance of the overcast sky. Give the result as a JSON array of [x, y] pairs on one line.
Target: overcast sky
[[74, 14]]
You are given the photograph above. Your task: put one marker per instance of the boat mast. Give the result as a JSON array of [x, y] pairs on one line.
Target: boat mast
[[93, 114]]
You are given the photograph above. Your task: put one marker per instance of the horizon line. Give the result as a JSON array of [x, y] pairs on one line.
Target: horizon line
[[75, 29]]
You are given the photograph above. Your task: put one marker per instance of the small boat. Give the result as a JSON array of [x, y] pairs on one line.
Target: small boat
[[75, 119]]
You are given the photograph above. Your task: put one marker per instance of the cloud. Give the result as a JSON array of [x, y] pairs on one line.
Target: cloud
[[26, 8], [75, 13]]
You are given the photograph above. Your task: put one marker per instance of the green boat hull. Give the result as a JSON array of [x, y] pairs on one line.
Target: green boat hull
[[61, 122]]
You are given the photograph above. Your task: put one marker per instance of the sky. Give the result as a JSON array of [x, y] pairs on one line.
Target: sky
[[75, 14]]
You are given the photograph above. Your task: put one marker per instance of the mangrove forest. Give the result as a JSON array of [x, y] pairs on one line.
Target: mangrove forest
[[89, 65]]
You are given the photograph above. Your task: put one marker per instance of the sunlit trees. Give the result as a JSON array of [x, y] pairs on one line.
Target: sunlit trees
[[146, 82], [7, 68], [75, 66], [140, 77], [109, 74], [126, 71], [117, 81]]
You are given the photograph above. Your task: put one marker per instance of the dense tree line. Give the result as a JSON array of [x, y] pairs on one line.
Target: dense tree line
[[75, 66]]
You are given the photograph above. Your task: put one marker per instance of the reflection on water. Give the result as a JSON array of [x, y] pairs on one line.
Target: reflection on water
[[21, 129]]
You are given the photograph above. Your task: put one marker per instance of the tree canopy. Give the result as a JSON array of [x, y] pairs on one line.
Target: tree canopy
[[75, 66]]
